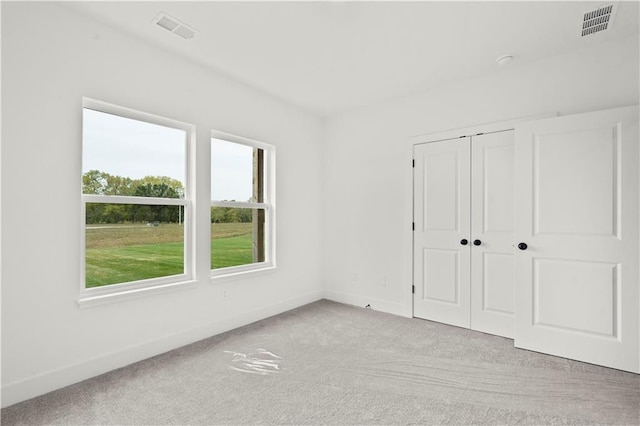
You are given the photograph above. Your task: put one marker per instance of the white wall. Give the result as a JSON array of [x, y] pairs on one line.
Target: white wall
[[367, 195], [51, 58]]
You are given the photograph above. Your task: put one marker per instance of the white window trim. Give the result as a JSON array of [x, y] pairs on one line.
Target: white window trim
[[122, 291], [123, 199], [269, 207]]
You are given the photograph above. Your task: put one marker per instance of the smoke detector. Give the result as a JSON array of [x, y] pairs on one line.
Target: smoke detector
[[598, 19], [173, 25]]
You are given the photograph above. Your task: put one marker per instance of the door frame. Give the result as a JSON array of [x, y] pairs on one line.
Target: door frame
[[412, 141]]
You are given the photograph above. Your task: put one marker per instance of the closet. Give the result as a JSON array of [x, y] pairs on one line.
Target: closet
[[533, 233], [463, 237]]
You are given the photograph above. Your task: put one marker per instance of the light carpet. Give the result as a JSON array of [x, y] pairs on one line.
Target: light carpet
[[328, 363]]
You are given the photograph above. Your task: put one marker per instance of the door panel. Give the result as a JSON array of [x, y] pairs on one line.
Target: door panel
[[577, 210], [590, 289], [441, 215], [441, 273], [492, 223], [492, 164], [590, 178], [497, 285], [441, 191]]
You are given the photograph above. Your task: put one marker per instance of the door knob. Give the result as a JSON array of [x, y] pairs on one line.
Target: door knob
[[464, 242], [522, 246], [477, 242]]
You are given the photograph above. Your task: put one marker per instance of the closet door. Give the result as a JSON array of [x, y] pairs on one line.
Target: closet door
[[577, 275], [492, 233], [441, 235]]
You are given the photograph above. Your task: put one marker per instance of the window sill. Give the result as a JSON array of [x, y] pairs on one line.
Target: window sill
[[87, 301], [230, 274]]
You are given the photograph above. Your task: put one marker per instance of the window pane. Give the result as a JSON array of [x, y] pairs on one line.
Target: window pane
[[122, 156], [236, 172], [237, 236], [126, 242]]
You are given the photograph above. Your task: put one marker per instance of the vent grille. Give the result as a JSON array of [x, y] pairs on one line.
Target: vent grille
[[598, 20], [184, 32], [167, 23], [175, 26]]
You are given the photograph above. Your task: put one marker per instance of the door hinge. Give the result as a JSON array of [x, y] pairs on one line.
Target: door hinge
[[413, 226], [413, 289], [413, 163]]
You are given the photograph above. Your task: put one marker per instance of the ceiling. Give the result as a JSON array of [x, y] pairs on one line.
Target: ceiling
[[330, 56]]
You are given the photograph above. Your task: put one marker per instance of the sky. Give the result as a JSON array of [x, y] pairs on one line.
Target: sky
[[135, 149], [231, 171]]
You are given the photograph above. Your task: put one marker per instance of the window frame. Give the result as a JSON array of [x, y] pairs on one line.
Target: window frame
[[268, 205], [118, 291]]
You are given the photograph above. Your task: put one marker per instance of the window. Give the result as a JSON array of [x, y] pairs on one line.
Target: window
[[136, 226], [242, 204]]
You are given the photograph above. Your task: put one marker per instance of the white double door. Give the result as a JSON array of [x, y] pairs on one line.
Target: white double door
[[464, 232]]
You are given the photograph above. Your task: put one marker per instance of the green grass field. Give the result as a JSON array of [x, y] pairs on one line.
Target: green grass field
[[123, 253]]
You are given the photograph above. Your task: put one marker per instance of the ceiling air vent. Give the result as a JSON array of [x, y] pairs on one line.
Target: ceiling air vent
[[599, 19], [173, 25]]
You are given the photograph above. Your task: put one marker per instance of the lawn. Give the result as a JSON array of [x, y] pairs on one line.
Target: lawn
[[123, 253]]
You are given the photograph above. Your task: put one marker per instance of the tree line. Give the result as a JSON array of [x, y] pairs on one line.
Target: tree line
[[102, 183]]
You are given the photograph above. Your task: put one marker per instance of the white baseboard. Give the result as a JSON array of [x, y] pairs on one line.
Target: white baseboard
[[375, 304], [40, 384]]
